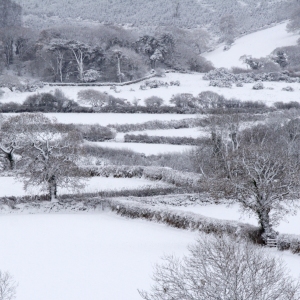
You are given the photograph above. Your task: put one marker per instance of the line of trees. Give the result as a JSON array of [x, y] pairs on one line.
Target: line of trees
[[98, 53]]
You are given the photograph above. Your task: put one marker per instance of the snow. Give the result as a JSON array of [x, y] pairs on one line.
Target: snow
[[11, 187], [147, 149], [91, 256], [111, 118], [258, 44], [290, 225]]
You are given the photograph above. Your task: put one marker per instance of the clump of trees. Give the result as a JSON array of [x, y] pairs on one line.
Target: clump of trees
[[222, 268]]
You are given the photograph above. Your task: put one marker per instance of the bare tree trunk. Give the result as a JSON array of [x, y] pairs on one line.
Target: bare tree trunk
[[52, 188], [266, 226]]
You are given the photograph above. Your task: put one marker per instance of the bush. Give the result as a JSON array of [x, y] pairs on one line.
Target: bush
[[288, 89], [183, 100], [153, 101], [92, 97], [220, 267], [258, 86]]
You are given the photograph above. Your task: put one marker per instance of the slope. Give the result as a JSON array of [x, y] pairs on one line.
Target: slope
[[258, 44]]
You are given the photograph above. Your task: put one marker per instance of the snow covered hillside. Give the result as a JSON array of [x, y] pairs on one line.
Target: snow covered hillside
[[257, 44]]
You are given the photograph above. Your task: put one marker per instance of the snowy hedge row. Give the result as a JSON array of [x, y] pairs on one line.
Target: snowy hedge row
[[168, 175], [99, 83], [288, 242], [184, 220], [144, 138], [223, 76], [156, 124]]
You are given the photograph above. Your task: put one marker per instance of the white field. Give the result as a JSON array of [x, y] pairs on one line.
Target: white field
[[147, 149], [291, 223], [258, 44], [90, 256], [11, 187], [190, 83]]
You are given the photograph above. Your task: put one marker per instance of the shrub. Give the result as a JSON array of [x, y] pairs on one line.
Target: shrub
[[288, 89], [92, 97], [183, 100], [153, 101], [258, 86], [95, 133]]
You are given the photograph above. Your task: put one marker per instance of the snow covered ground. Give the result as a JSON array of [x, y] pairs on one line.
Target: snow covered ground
[[291, 224], [147, 149], [190, 83], [90, 256], [11, 187], [257, 44]]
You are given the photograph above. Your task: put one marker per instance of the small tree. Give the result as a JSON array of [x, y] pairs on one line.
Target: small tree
[[93, 97], [8, 286], [220, 269], [228, 28], [154, 101]]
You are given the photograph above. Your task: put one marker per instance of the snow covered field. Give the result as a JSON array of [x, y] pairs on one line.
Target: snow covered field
[[90, 256], [11, 187], [147, 149], [291, 224], [257, 44]]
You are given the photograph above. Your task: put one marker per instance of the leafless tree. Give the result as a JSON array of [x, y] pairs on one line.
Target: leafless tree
[[8, 286], [221, 268], [49, 154]]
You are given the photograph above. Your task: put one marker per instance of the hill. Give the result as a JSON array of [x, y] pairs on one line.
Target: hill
[[248, 14], [257, 44]]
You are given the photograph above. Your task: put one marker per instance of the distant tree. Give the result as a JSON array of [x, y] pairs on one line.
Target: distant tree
[[154, 101], [228, 28], [92, 97], [221, 268], [281, 58], [294, 23], [10, 14]]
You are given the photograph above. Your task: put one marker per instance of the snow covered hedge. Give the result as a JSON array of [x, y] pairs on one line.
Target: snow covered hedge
[[144, 138], [168, 175], [184, 220], [156, 124], [289, 242], [223, 76]]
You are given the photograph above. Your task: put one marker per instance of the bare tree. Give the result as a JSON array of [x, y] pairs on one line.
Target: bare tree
[[49, 154], [8, 286], [221, 269]]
